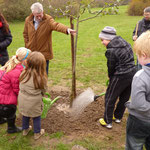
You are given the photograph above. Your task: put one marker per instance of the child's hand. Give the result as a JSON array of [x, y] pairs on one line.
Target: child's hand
[[135, 38]]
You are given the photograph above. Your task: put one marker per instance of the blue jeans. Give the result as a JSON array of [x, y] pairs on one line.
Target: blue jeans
[[47, 66], [36, 123], [137, 134]]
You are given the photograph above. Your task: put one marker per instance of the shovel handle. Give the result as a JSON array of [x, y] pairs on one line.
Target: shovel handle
[[101, 94], [107, 82]]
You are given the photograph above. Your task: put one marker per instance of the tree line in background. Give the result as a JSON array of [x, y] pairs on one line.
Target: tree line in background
[[136, 7], [20, 9]]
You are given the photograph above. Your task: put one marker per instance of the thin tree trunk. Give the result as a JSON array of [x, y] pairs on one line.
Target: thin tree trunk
[[73, 53]]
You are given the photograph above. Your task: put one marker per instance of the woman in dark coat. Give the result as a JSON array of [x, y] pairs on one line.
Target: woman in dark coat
[[5, 40]]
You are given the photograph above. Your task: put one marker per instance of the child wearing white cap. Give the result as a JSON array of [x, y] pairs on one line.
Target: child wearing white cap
[[121, 69]]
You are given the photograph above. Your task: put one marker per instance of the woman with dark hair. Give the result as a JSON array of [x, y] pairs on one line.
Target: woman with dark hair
[[5, 40]]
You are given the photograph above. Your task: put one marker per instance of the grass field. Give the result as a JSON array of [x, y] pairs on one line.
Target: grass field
[[91, 70]]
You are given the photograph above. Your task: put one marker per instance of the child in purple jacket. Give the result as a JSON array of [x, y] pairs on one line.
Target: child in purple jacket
[[9, 88]]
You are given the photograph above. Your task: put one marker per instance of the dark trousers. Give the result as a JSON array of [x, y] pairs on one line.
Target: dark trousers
[[47, 66], [137, 134], [9, 112], [36, 123], [119, 87]]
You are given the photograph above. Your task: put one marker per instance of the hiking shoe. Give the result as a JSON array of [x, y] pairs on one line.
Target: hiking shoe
[[103, 123], [116, 120], [38, 135], [26, 131], [14, 129]]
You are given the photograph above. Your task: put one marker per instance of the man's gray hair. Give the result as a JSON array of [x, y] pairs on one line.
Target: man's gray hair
[[37, 8], [147, 10]]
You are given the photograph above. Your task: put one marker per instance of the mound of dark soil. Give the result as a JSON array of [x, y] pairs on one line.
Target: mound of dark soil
[[87, 122]]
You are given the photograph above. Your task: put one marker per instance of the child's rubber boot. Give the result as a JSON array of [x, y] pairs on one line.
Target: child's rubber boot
[[14, 129], [38, 135], [103, 123], [26, 131]]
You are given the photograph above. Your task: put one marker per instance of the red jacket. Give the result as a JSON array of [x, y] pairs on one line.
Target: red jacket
[[9, 85]]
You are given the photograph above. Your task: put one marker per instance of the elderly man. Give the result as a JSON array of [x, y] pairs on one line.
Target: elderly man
[[142, 26], [38, 32]]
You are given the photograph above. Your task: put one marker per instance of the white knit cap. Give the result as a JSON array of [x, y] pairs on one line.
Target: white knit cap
[[108, 33]]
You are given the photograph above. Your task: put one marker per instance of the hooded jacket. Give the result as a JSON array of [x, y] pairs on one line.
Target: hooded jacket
[[139, 106], [120, 58], [9, 85]]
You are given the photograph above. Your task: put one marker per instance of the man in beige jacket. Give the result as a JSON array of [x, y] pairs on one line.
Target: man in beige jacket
[[38, 32]]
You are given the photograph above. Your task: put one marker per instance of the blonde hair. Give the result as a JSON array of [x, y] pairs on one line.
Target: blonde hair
[[36, 66], [142, 44], [37, 8], [21, 54]]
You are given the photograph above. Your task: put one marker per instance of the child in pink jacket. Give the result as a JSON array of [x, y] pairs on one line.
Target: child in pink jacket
[[9, 88]]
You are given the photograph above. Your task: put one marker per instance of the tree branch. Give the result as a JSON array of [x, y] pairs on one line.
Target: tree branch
[[98, 12], [68, 15], [93, 16]]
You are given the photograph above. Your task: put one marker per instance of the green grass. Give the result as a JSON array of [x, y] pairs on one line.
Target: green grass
[[91, 71], [57, 135], [16, 141], [91, 143], [94, 144]]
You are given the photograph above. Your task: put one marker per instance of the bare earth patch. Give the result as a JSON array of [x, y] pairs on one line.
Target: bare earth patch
[[87, 124]]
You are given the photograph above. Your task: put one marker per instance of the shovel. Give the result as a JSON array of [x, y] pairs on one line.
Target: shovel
[[97, 96], [47, 104]]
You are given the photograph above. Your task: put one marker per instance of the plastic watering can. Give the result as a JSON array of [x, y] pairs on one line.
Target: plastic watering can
[[47, 104]]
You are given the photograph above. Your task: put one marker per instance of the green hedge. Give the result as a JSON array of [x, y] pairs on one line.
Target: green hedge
[[136, 7], [19, 9]]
